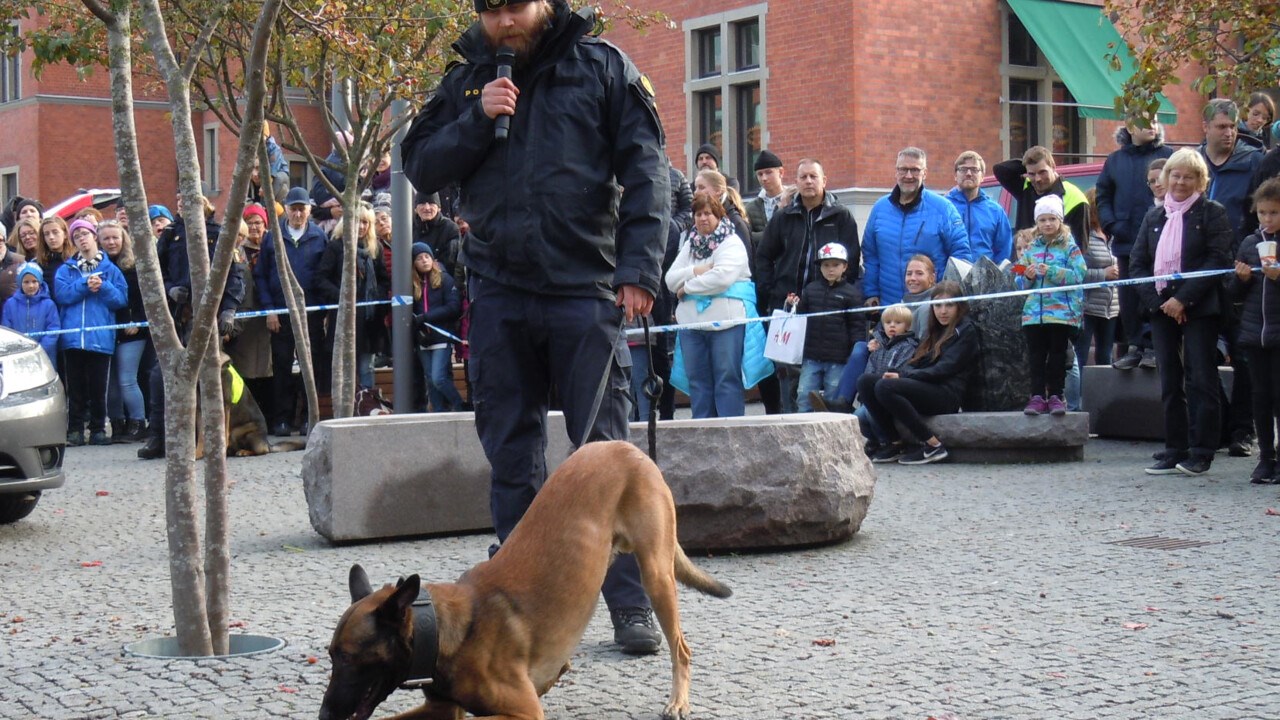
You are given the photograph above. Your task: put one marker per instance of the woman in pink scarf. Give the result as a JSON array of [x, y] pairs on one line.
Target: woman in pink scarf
[[1187, 232]]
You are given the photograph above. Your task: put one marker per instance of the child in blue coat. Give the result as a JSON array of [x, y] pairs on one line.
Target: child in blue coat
[[90, 289], [32, 310]]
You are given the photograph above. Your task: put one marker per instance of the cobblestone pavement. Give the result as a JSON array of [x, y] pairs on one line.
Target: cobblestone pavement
[[971, 592]]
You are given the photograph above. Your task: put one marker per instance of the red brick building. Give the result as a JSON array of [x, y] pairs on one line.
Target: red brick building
[[57, 136], [851, 83]]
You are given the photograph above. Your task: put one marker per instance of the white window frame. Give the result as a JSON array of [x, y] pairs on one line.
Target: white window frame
[[212, 166], [15, 172], [728, 83], [1045, 76], [11, 73]]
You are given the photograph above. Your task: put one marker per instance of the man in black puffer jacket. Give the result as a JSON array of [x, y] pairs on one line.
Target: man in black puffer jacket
[[1124, 197], [557, 254]]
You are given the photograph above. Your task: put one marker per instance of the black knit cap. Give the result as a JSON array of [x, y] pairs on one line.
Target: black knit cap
[[708, 149], [482, 5], [767, 160]]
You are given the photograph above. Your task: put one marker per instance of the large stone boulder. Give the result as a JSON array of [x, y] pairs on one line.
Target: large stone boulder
[[765, 481], [1011, 437], [1003, 379], [738, 483]]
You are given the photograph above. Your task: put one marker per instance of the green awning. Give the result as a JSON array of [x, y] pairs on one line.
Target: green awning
[[1074, 38]]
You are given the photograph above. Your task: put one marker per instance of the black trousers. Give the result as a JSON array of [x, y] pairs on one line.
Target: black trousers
[[905, 400], [284, 384], [87, 375], [1047, 352], [1264, 369], [1187, 357], [1238, 414], [522, 345], [1131, 315]]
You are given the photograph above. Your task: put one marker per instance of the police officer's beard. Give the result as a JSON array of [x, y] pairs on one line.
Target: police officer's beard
[[525, 44]]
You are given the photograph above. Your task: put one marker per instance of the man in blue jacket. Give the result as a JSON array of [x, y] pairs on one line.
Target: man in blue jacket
[[1232, 164], [986, 222], [910, 220], [1124, 197], [558, 256], [304, 244]]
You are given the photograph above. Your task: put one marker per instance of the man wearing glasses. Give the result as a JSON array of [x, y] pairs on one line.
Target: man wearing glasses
[[988, 226], [909, 221]]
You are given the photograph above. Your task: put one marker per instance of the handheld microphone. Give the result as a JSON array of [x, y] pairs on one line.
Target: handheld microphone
[[506, 56]]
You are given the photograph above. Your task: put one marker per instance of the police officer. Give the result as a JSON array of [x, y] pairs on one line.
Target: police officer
[[557, 254]]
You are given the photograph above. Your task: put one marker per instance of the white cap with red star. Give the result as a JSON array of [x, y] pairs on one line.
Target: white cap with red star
[[833, 251]]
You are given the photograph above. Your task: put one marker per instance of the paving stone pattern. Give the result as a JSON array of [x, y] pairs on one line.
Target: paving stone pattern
[[970, 592]]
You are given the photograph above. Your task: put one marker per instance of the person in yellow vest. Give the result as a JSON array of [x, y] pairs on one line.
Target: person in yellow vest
[[1035, 175]]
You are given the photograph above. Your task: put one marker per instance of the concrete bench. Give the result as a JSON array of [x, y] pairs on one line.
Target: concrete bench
[[738, 483], [1126, 403], [1011, 437]]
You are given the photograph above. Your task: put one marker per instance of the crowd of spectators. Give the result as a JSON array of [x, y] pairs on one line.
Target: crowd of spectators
[[728, 260]]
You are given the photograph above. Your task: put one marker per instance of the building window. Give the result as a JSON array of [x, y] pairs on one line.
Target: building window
[[726, 83], [210, 169], [1039, 109], [11, 74], [8, 185], [299, 175]]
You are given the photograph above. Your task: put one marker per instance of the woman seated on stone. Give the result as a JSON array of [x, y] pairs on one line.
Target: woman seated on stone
[[931, 383]]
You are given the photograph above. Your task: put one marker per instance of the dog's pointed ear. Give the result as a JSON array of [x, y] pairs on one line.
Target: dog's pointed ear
[[358, 582], [406, 592]]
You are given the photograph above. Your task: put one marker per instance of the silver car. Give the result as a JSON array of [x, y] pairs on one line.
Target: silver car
[[33, 425]]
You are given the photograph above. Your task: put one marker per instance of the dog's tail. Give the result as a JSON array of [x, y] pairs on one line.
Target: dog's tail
[[695, 577]]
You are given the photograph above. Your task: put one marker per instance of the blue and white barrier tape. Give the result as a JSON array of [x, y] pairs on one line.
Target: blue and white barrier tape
[[724, 324], [402, 300], [396, 301]]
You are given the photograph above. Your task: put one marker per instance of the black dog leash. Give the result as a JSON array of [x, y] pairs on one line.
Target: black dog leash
[[652, 390]]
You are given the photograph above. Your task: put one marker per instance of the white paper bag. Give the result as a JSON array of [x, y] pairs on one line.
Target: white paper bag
[[785, 343]]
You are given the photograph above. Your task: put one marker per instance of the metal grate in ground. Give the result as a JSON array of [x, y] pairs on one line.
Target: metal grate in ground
[[1157, 542]]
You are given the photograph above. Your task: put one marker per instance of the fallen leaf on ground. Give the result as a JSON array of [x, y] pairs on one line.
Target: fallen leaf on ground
[[287, 689], [824, 642], [293, 548], [1134, 626], [91, 563], [1273, 511], [311, 660], [1057, 675], [18, 619], [236, 624], [1152, 608], [102, 493]]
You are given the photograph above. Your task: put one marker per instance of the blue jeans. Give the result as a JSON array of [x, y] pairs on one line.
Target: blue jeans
[[853, 369], [713, 364], [640, 373], [364, 369], [124, 397], [438, 371], [817, 375], [870, 430]]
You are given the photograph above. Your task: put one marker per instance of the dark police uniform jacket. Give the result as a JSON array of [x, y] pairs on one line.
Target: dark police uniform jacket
[[546, 210]]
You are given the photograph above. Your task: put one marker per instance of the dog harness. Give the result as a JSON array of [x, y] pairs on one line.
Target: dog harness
[[426, 650], [237, 385]]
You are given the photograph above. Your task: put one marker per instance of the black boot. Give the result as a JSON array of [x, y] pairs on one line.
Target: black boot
[[117, 432], [134, 431], [153, 449]]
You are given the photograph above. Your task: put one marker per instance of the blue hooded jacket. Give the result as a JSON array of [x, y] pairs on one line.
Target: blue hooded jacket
[[990, 234], [83, 309], [929, 226], [33, 313], [1229, 184]]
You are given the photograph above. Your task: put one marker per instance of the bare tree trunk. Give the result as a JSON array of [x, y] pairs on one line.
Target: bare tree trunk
[[184, 540], [344, 343], [295, 301], [217, 551]]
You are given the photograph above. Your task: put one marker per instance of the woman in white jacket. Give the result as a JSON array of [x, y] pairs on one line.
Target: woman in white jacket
[[709, 278]]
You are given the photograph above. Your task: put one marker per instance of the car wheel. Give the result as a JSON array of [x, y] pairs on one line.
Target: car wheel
[[15, 506]]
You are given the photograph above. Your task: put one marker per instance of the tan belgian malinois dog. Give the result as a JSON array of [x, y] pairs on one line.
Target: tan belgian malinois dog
[[496, 640]]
